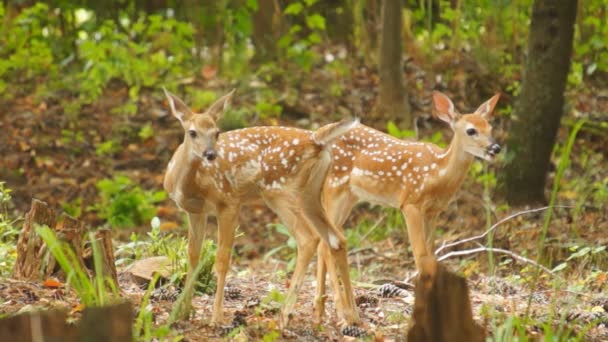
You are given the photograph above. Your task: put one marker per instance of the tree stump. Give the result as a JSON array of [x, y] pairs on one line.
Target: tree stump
[[30, 249], [34, 260], [442, 309], [111, 323]]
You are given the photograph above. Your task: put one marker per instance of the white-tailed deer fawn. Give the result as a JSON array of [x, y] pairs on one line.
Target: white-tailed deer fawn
[[215, 174], [418, 178]]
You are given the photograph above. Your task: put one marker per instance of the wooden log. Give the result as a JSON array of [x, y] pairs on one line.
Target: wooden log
[[111, 323], [442, 309]]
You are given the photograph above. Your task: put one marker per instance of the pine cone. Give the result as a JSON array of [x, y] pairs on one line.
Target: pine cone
[[354, 331], [164, 293], [367, 300], [390, 290], [232, 293]]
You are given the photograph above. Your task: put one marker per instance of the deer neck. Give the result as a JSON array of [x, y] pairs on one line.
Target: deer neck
[[184, 167], [455, 164]]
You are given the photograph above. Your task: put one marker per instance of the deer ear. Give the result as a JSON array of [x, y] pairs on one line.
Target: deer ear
[[486, 108], [220, 106], [178, 108], [444, 108]]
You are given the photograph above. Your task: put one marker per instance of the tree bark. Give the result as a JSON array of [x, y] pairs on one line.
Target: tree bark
[[392, 103], [539, 109], [266, 30]]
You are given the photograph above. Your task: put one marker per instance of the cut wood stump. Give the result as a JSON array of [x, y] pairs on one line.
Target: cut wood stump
[[34, 260], [442, 309], [111, 323]]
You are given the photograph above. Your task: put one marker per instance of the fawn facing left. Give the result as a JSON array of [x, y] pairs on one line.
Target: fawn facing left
[[215, 174]]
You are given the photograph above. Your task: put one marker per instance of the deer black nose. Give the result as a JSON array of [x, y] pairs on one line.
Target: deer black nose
[[210, 155], [494, 149]]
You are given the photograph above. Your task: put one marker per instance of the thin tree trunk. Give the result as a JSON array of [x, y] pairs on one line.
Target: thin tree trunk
[[539, 109], [392, 103], [265, 30]]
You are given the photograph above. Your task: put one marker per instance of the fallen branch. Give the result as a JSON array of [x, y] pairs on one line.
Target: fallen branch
[[445, 245], [495, 250]]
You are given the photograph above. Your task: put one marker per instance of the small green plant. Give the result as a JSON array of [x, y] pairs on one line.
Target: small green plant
[[392, 129], [146, 132], [287, 250], [92, 292], [124, 204]]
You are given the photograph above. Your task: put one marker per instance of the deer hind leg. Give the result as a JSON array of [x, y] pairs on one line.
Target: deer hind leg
[[306, 239], [317, 217], [415, 221], [197, 225], [227, 222], [338, 209]]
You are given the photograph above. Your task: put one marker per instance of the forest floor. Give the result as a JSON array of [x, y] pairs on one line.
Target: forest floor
[[49, 156]]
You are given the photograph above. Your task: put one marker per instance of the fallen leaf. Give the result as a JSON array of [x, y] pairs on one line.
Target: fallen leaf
[[77, 308], [208, 72], [52, 283], [168, 226]]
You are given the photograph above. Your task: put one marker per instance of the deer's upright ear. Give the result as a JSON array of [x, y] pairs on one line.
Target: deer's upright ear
[[444, 108], [178, 108], [220, 106], [486, 108]]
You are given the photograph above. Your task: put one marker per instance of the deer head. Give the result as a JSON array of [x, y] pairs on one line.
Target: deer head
[[200, 129], [473, 130]]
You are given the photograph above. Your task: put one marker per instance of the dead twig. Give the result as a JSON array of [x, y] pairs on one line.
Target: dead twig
[[482, 248], [445, 245], [495, 250]]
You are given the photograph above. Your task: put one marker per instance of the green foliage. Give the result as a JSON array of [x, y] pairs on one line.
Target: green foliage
[[295, 45], [9, 232], [395, 131], [158, 243], [286, 250], [145, 53], [26, 50], [92, 292], [123, 204]]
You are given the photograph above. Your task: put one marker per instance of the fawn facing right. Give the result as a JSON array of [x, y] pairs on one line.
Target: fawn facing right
[[215, 174], [418, 178]]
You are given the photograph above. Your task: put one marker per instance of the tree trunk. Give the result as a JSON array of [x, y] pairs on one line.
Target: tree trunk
[[392, 103], [265, 30], [539, 109]]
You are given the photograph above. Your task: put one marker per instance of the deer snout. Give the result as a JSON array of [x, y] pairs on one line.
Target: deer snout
[[210, 155], [494, 149]]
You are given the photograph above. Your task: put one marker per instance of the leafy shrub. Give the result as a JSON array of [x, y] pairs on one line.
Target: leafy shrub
[[124, 204], [8, 232], [25, 50], [146, 53]]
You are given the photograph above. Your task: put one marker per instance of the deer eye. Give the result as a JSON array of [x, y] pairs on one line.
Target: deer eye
[[471, 131], [192, 133]]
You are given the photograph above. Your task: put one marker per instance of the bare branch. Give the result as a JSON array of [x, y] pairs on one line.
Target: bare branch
[[495, 250], [445, 245]]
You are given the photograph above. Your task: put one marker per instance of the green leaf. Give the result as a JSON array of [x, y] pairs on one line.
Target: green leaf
[[315, 21], [294, 8]]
